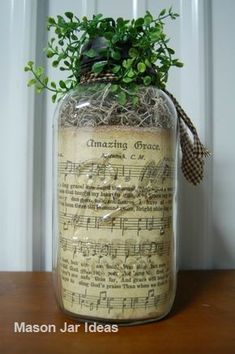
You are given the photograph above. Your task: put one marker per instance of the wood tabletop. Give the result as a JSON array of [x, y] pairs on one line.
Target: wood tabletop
[[202, 320]]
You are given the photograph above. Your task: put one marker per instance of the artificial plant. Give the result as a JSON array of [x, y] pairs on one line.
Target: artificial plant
[[137, 53]]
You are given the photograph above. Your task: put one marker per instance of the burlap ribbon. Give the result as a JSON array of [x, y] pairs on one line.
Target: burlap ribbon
[[193, 151]]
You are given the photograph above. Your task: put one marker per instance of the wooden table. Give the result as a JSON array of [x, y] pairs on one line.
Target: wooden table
[[202, 320]]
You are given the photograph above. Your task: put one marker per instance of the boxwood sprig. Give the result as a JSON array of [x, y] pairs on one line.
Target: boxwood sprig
[[137, 53]]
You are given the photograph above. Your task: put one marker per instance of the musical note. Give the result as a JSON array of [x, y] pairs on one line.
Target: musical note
[[75, 220], [101, 171], [88, 222], [149, 223], [139, 228], [65, 225], [105, 250], [72, 298], [102, 299], [128, 176], [149, 298], [74, 251], [129, 248], [115, 175], [69, 168]]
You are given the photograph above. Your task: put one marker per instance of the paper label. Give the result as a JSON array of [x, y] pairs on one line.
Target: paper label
[[115, 187]]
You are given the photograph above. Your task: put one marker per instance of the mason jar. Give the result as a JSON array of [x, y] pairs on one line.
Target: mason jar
[[114, 204]]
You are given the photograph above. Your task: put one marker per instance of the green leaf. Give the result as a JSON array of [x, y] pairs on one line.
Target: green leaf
[[54, 97], [97, 17], [115, 38], [69, 15], [124, 63], [139, 22], [51, 21], [141, 67], [31, 82], [122, 98], [147, 80], [50, 54], [127, 63], [91, 53], [116, 69], [114, 88], [115, 55], [135, 100], [133, 88], [62, 56], [148, 19], [39, 89], [45, 81], [171, 51], [62, 84], [53, 84], [133, 53], [147, 63], [121, 23], [162, 13], [55, 63], [127, 80], [61, 20], [98, 67], [66, 63], [39, 71], [26, 68], [30, 64], [131, 73], [179, 64], [155, 36], [74, 37]]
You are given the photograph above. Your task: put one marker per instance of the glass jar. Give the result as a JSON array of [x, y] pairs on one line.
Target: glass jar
[[114, 212]]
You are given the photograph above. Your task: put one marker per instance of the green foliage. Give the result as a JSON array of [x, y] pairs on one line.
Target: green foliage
[[137, 53]]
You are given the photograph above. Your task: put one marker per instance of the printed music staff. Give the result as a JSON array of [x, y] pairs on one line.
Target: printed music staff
[[123, 224], [116, 248], [161, 170], [109, 303]]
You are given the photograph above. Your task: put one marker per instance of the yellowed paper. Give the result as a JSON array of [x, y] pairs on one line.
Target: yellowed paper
[[115, 213]]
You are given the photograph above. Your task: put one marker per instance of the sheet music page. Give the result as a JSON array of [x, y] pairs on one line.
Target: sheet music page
[[115, 190]]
